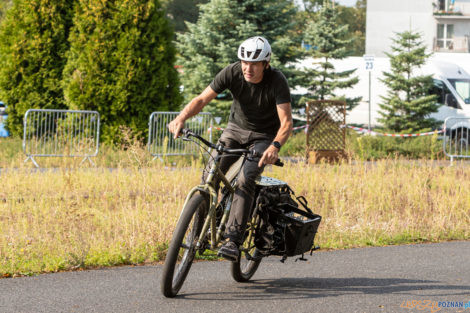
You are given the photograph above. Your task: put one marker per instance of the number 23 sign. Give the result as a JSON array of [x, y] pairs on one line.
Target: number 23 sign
[[369, 62]]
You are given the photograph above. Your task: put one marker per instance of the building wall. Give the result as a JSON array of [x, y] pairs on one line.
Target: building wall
[[385, 18], [462, 6]]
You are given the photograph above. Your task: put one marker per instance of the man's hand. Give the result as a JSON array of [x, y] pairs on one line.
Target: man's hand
[[191, 109], [176, 126], [270, 156]]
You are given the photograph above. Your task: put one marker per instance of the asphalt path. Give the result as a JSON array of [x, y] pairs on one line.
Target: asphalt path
[[380, 279]]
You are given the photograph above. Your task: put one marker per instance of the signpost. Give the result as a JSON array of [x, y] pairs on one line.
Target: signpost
[[369, 64]]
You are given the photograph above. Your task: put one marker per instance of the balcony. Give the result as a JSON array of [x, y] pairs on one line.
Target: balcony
[[456, 44], [447, 13], [451, 16], [447, 9]]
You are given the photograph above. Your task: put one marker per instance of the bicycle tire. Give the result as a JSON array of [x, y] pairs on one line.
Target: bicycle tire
[[245, 267], [174, 273]]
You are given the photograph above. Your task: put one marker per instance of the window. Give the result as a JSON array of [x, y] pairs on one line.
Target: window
[[445, 33], [462, 86], [444, 96], [443, 5], [439, 89]]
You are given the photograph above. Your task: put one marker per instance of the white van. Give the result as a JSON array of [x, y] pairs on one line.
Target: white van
[[452, 86]]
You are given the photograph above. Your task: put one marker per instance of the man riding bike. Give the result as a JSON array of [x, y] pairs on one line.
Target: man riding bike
[[260, 119]]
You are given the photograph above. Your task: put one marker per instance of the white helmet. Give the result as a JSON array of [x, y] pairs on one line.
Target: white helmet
[[255, 49]]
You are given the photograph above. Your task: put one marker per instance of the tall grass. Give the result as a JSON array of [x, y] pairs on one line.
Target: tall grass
[[391, 201], [62, 219], [67, 219]]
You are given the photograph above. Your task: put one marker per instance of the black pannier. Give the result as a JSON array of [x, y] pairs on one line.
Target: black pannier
[[285, 228]]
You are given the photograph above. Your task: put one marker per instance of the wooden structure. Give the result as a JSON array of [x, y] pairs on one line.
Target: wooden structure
[[326, 131]]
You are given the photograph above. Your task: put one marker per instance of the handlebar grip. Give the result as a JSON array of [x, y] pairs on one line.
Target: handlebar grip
[[259, 155], [185, 132], [279, 163]]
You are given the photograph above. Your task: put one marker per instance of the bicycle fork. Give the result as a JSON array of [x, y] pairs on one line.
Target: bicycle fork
[[216, 234]]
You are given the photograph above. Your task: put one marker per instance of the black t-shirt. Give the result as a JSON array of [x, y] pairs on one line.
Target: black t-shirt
[[254, 105]]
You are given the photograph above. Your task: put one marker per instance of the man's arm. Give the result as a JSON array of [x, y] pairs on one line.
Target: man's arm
[[284, 111], [192, 108]]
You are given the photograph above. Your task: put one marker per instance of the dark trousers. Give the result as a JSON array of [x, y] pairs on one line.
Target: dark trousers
[[236, 138]]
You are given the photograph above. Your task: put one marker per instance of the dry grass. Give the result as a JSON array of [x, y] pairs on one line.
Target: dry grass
[[83, 217], [387, 202], [58, 220]]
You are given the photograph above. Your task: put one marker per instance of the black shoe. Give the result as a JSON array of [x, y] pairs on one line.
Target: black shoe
[[229, 251]]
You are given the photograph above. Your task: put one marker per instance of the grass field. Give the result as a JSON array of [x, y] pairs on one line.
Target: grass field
[[64, 219]]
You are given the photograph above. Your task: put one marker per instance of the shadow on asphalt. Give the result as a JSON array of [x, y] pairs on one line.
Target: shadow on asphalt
[[301, 288]]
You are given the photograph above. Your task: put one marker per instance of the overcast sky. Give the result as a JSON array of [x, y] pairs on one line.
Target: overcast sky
[[346, 2], [343, 2]]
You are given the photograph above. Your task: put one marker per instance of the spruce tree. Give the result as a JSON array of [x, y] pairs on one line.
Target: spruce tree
[[275, 20], [211, 43], [33, 44], [329, 41], [180, 11], [408, 103], [121, 63]]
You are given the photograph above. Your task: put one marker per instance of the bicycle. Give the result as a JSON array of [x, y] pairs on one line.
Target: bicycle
[[202, 222]]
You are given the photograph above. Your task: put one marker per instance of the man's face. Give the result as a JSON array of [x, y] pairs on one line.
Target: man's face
[[253, 71]]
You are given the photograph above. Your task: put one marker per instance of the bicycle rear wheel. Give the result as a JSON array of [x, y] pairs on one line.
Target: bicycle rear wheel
[[250, 258], [182, 248]]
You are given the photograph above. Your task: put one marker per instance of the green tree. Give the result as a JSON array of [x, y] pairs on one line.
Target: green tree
[[329, 41], [33, 44], [408, 103], [182, 11], [211, 44], [355, 18], [121, 63]]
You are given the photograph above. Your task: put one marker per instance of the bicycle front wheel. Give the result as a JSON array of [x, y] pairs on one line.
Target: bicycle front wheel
[[182, 248]]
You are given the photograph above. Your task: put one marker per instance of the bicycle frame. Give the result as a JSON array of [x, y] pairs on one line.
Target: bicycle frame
[[209, 189], [201, 219]]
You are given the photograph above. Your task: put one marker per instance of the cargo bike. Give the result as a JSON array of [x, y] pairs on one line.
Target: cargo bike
[[279, 222]]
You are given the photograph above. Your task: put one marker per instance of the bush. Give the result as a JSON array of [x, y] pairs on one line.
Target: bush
[[295, 146], [121, 64], [33, 44], [366, 147]]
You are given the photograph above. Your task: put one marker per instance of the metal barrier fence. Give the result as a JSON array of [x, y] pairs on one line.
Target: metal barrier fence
[[61, 133], [457, 137], [161, 141]]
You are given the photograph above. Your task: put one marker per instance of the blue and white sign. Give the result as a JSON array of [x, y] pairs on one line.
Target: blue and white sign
[[369, 61]]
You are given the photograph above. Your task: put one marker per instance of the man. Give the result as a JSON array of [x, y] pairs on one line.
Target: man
[[260, 119]]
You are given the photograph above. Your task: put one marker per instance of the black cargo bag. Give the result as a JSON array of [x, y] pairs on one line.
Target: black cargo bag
[[300, 230], [286, 229]]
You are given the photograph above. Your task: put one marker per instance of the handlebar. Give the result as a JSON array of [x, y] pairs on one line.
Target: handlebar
[[221, 149]]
